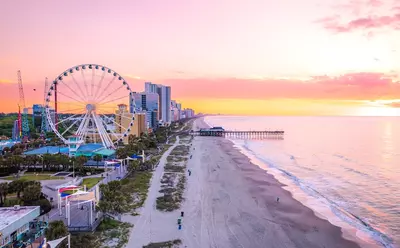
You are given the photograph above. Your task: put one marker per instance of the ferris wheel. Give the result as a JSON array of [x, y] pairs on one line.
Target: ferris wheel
[[90, 102]]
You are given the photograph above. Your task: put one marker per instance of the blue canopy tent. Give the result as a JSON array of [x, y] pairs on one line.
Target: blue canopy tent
[[134, 156]]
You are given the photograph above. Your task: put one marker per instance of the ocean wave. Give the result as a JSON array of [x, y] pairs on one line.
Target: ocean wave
[[348, 217], [342, 157], [356, 171]]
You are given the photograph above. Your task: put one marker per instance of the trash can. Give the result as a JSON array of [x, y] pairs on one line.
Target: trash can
[[179, 227], [182, 214]]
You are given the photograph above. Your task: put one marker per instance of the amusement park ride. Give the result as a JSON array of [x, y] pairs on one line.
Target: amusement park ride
[[82, 103], [23, 125]]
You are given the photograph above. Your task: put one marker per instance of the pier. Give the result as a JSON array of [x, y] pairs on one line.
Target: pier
[[220, 132]]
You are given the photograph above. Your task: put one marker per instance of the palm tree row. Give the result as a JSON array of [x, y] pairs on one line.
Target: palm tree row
[[45, 162]]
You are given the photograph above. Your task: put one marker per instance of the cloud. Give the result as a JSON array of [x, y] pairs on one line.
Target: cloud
[[362, 17], [353, 86], [394, 104], [6, 81], [364, 23]]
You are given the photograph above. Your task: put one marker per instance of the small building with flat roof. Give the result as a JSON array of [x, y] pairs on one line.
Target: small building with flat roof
[[18, 225]]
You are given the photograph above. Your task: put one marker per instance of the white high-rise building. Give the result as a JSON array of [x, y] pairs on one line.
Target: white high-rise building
[[164, 102], [150, 87]]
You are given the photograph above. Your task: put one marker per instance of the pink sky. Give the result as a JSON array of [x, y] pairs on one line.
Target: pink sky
[[245, 49]]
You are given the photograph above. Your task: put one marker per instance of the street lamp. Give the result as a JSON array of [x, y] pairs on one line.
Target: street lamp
[[73, 168]]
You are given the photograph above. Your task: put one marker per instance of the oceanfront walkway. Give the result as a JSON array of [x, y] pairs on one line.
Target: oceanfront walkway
[[152, 225]]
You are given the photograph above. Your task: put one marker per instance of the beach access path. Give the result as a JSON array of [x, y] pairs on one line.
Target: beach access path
[[152, 225]]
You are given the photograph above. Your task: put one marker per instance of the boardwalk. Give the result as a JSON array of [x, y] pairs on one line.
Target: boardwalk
[[240, 134]]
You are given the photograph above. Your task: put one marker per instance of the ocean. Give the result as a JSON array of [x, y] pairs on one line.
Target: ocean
[[347, 169]]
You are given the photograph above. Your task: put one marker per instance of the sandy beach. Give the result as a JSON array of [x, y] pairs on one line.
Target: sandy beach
[[230, 202]]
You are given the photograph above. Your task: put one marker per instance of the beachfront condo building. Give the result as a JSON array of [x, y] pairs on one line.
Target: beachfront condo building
[[147, 103], [164, 100], [123, 119], [187, 113], [150, 87], [175, 111]]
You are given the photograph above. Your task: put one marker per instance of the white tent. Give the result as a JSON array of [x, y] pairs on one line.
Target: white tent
[[54, 243]]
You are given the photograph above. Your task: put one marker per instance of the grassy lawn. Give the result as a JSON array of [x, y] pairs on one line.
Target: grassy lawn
[[91, 181], [32, 177]]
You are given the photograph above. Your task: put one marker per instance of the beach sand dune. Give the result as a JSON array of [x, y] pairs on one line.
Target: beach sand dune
[[232, 203]]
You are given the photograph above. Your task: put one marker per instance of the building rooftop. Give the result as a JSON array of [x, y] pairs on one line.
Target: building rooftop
[[90, 147], [85, 148], [105, 152], [8, 216], [48, 149]]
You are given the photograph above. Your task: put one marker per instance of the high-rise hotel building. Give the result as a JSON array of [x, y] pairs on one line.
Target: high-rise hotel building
[[164, 100]]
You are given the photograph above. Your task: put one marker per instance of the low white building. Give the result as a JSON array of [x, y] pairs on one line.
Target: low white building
[[18, 224]]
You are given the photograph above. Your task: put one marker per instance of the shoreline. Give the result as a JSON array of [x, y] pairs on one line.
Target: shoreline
[[299, 223], [365, 238], [349, 232]]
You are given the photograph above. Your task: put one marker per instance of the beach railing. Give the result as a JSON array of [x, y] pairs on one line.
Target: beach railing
[[239, 134]]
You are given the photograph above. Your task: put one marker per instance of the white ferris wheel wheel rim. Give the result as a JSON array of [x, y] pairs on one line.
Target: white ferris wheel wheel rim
[[91, 103]]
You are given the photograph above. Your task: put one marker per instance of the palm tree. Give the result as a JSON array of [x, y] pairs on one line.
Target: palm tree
[[3, 192], [80, 162], [133, 165], [17, 186], [32, 191], [56, 230], [97, 158], [6, 150], [121, 153]]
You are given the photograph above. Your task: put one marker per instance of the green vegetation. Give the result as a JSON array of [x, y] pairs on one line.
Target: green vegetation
[[120, 197], [172, 195], [174, 170], [172, 139], [23, 192], [7, 123], [91, 181], [85, 240], [166, 244], [180, 150], [110, 229], [32, 177], [57, 229]]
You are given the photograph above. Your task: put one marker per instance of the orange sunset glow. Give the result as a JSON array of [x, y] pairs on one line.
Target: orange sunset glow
[[233, 57]]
